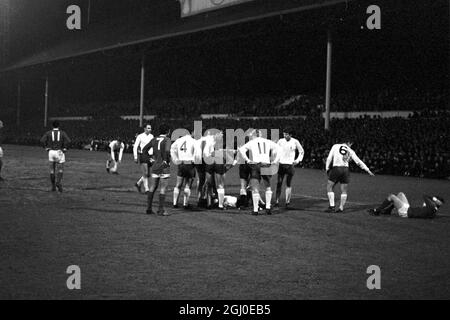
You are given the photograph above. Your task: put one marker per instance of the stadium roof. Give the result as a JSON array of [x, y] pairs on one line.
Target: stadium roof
[[101, 39]]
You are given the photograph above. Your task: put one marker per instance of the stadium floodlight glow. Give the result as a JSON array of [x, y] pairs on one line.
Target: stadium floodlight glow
[[193, 7]]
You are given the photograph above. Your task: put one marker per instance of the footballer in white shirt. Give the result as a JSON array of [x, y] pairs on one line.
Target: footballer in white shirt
[[338, 172], [200, 167], [143, 159], [116, 148], [288, 160], [183, 154], [261, 152]]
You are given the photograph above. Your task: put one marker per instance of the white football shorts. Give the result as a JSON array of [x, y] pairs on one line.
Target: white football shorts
[[56, 156], [161, 175], [1, 152], [403, 211]]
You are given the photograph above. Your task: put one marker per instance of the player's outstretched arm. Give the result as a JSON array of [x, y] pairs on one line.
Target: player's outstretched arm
[[361, 164]]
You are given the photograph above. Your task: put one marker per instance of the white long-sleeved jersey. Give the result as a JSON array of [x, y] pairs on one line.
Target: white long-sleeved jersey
[[260, 150], [340, 156], [116, 146], [183, 149], [141, 141], [287, 150]]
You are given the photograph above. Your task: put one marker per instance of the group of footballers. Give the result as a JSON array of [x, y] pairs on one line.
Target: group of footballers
[[259, 159], [206, 158]]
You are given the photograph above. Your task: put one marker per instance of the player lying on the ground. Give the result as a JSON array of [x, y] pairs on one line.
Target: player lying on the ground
[[141, 158], [399, 205], [338, 172], [182, 152], [261, 152], [160, 147], [56, 143], [116, 148], [288, 161], [1, 150]]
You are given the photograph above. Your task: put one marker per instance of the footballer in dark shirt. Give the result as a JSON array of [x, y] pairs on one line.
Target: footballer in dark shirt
[[56, 143], [398, 204], [160, 147]]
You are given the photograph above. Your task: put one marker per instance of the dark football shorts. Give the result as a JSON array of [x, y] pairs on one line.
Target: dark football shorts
[[116, 156], [255, 172], [286, 169], [216, 168], [244, 171], [160, 168], [201, 168], [143, 158], [339, 175], [186, 170]]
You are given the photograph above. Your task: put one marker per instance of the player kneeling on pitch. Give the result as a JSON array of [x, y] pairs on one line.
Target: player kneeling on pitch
[[160, 148], [56, 143], [399, 205], [116, 148], [338, 172]]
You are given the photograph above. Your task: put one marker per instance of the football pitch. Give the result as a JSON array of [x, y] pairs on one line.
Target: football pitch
[[99, 224]]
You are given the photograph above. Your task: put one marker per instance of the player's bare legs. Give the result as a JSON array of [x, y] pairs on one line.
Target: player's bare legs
[[280, 178], [59, 175], [266, 182], [254, 183], [144, 178], [187, 192], [288, 189], [402, 197], [243, 194], [52, 175], [201, 187], [151, 192], [176, 191], [209, 189], [162, 195], [398, 203], [220, 183], [389, 203], [330, 194], [344, 188]]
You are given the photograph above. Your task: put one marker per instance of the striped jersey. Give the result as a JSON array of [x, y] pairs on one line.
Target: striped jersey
[[55, 140]]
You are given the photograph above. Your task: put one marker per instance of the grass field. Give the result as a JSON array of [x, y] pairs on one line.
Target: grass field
[[99, 224]]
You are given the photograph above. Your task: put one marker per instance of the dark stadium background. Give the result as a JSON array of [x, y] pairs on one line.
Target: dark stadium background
[[273, 55]]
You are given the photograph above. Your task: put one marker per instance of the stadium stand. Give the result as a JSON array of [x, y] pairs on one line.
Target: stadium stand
[[415, 146]]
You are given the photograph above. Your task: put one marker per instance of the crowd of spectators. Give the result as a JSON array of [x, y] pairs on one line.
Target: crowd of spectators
[[261, 105], [416, 146]]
